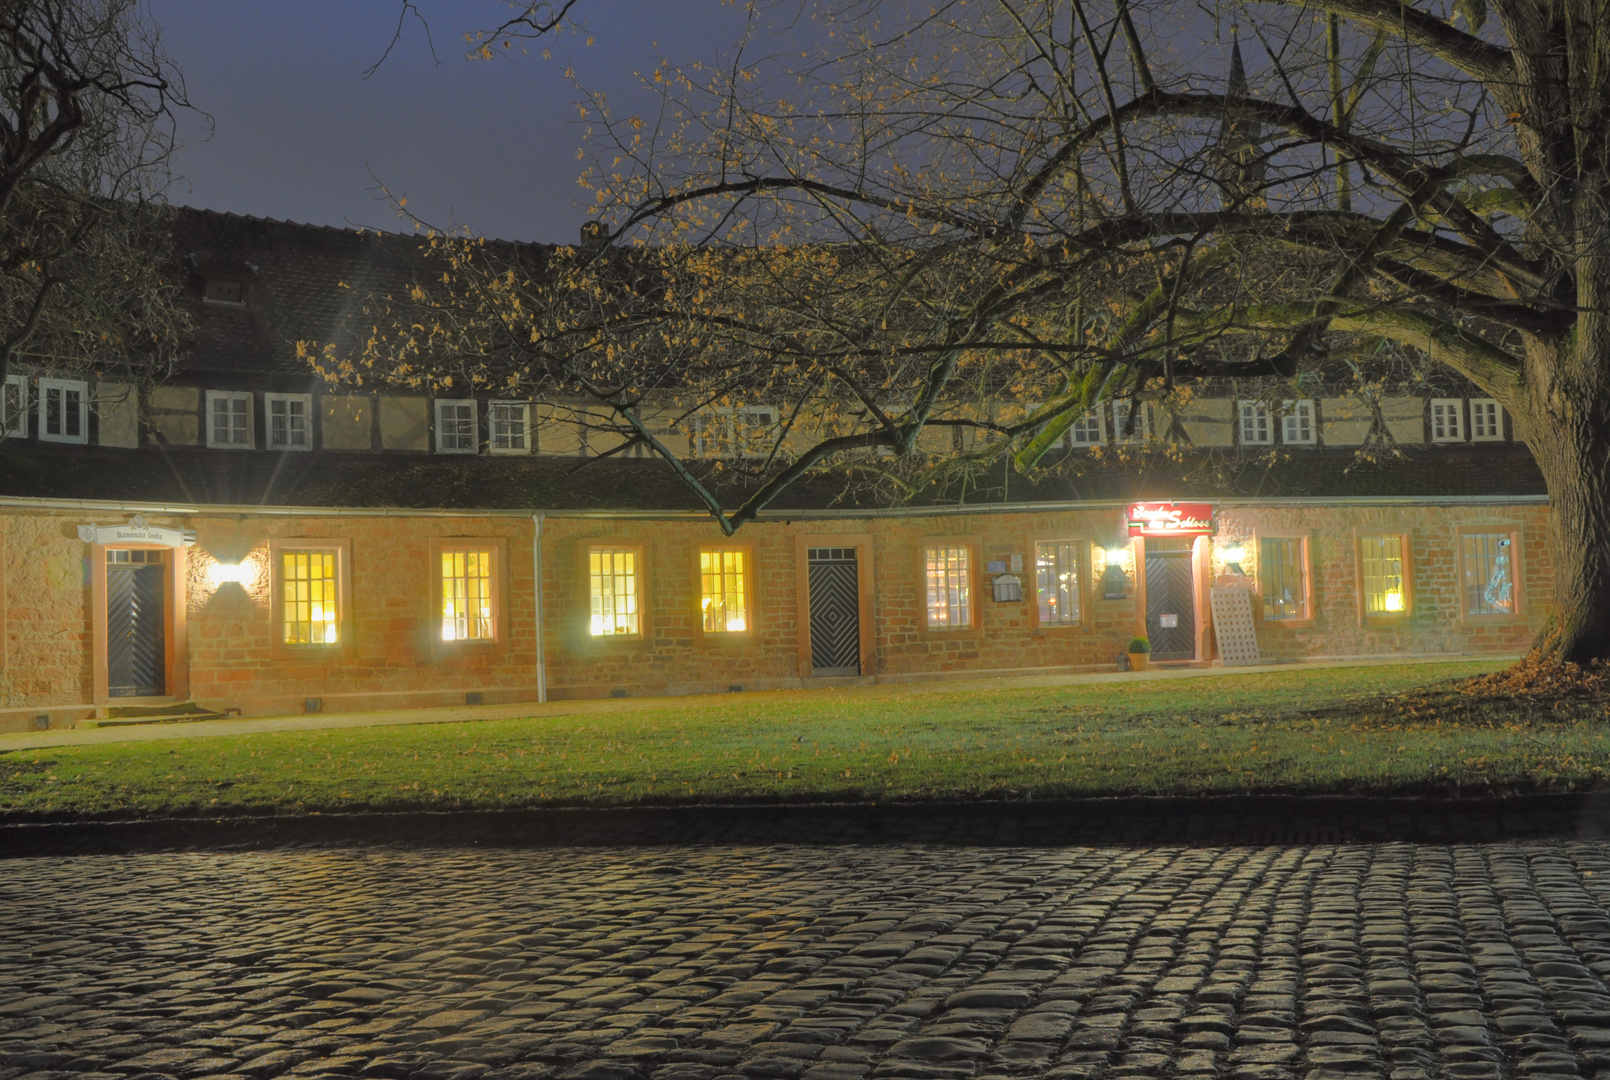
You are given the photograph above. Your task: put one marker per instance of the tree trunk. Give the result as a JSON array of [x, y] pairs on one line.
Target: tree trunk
[[1572, 448]]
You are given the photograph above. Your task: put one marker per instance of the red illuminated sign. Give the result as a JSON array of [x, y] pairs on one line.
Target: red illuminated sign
[[1170, 519]]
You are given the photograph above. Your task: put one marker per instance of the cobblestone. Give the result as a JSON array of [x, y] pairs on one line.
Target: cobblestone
[[1393, 961]]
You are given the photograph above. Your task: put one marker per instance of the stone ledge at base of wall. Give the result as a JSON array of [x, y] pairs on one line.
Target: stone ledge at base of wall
[[24, 718], [1149, 821]]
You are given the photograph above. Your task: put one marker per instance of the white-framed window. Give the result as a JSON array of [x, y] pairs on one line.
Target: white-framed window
[[1254, 424], [712, 432], [1087, 430], [1120, 421], [64, 410], [1488, 573], [290, 421], [614, 585], [1447, 420], [1283, 576], [511, 427], [757, 428], [1486, 420], [455, 426], [229, 420], [948, 572], [1297, 422], [14, 406], [1056, 581]]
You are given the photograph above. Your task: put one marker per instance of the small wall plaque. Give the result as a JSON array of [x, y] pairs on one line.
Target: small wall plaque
[[1008, 589]]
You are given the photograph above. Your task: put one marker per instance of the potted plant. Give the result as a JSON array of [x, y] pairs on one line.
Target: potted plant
[[1139, 650]]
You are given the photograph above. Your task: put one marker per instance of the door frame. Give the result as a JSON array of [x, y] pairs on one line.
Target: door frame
[[1199, 596], [862, 543], [175, 662]]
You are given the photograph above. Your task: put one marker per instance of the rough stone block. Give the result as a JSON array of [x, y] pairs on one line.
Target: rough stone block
[[403, 423], [346, 421]]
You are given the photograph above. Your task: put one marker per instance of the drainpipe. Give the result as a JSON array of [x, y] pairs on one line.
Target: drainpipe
[[536, 588]]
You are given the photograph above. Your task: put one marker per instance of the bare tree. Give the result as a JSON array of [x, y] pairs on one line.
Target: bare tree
[[86, 111], [927, 210]]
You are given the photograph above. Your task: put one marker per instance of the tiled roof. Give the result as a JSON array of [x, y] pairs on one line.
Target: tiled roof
[[330, 478], [305, 283]]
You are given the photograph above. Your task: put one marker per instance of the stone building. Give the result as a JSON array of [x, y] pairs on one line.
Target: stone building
[[247, 540]]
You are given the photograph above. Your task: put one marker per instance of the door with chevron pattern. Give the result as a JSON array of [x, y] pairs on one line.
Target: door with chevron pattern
[[136, 625], [835, 603]]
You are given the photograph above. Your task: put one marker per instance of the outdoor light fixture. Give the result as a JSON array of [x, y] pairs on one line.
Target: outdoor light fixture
[[1232, 557], [242, 574], [1114, 582]]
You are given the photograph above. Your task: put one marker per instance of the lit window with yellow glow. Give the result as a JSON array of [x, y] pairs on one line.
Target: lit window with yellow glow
[[467, 595], [614, 584], [950, 593], [1382, 558], [1056, 581], [310, 607], [724, 590]]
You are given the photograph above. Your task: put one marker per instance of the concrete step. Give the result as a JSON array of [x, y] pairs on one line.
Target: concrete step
[[187, 712]]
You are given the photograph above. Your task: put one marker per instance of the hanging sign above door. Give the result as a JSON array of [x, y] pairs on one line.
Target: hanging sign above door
[[136, 532], [1170, 519]]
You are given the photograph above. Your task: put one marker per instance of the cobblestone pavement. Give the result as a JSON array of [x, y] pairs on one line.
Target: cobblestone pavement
[[1396, 961]]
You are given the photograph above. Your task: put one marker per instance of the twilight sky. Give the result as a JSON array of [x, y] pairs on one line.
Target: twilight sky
[[301, 135]]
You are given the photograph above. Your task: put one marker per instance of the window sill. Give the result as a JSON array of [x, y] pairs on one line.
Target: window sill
[[1518, 617], [1288, 624], [1385, 622]]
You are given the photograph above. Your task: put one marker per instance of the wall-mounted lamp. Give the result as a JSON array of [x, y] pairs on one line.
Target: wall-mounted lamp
[[242, 574], [1115, 584], [1232, 557]]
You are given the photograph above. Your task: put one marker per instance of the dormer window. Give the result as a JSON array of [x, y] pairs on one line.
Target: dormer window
[[224, 291]]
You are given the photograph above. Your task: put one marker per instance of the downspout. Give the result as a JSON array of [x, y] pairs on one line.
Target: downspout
[[536, 588]]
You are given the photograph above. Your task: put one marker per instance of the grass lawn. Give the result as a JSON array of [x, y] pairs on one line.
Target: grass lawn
[[1341, 730]]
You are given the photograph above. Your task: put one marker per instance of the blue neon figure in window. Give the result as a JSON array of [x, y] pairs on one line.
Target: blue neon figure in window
[[1499, 586]]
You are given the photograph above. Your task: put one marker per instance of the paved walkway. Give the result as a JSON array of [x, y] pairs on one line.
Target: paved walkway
[[461, 713], [1477, 962]]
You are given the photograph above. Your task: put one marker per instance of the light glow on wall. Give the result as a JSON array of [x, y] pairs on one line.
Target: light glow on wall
[[242, 574]]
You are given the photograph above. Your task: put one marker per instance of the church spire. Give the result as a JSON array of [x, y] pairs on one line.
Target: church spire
[[1240, 158]]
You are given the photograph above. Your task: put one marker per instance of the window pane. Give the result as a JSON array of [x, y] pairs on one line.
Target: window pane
[[287, 422], [949, 588], [53, 410], [1383, 575], [1282, 571], [723, 591], [1086, 430], [1489, 583], [1484, 421], [1254, 423], [467, 595], [509, 427], [613, 585], [455, 426], [309, 604], [1056, 581]]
